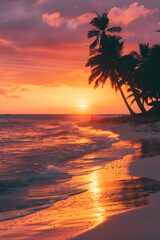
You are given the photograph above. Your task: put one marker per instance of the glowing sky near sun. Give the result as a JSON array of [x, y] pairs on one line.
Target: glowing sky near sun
[[44, 49]]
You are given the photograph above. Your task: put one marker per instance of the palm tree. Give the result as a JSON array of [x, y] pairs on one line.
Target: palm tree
[[127, 68], [104, 59], [140, 81], [154, 71], [101, 30], [147, 74], [104, 65]]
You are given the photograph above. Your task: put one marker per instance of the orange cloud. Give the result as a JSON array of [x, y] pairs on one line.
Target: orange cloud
[[41, 1], [85, 18], [127, 15], [5, 42], [53, 19]]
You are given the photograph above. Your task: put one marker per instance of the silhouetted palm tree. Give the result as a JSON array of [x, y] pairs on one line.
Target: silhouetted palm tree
[[104, 65], [101, 30], [147, 74], [153, 72], [105, 58], [128, 68], [140, 68]]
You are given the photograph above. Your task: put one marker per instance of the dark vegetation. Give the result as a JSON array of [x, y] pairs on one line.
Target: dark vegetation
[[138, 119], [138, 71]]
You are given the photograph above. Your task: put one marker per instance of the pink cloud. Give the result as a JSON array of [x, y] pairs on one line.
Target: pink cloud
[[127, 15], [85, 18], [41, 1], [54, 19]]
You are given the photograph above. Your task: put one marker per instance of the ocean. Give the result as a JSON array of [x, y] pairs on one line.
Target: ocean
[[37, 156]]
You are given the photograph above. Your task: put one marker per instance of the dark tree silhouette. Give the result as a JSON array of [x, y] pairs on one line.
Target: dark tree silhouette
[[140, 83], [101, 30], [127, 68], [147, 74], [105, 55]]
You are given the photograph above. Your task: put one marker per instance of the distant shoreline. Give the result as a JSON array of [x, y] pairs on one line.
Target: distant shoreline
[[138, 119]]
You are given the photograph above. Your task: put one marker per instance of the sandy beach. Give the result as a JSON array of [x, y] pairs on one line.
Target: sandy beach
[[142, 223]]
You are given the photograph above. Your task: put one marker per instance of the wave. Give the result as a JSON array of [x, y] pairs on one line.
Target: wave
[[52, 172], [4, 120]]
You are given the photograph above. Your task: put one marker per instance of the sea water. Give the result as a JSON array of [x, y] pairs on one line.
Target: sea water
[[39, 158]]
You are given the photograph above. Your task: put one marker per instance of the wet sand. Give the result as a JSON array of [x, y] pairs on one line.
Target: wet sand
[[142, 223]]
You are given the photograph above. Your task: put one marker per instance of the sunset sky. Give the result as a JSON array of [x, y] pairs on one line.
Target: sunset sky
[[44, 49]]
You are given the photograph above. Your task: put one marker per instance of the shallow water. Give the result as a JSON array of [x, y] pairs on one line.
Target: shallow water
[[35, 162], [60, 179]]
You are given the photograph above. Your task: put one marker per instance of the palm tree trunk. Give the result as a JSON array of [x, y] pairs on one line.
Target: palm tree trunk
[[124, 98], [140, 105]]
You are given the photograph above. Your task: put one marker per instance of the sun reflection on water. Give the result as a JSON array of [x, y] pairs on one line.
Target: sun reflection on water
[[96, 202]]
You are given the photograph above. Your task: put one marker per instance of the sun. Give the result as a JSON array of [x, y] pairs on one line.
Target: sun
[[83, 106]]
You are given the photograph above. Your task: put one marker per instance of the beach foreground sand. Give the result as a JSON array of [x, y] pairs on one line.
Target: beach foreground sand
[[142, 223]]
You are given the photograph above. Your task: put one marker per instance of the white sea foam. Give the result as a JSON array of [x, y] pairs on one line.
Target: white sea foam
[[50, 172], [4, 121]]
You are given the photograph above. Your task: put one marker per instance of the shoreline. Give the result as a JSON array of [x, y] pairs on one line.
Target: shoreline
[[139, 223], [135, 128]]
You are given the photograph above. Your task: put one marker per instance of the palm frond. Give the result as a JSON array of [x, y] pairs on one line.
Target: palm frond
[[94, 75], [129, 90], [135, 55], [93, 33], [132, 101], [96, 22], [144, 50], [100, 22], [105, 15], [114, 29], [96, 60], [97, 14], [104, 21], [94, 44], [95, 51], [131, 95], [104, 78], [97, 82], [100, 80]]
